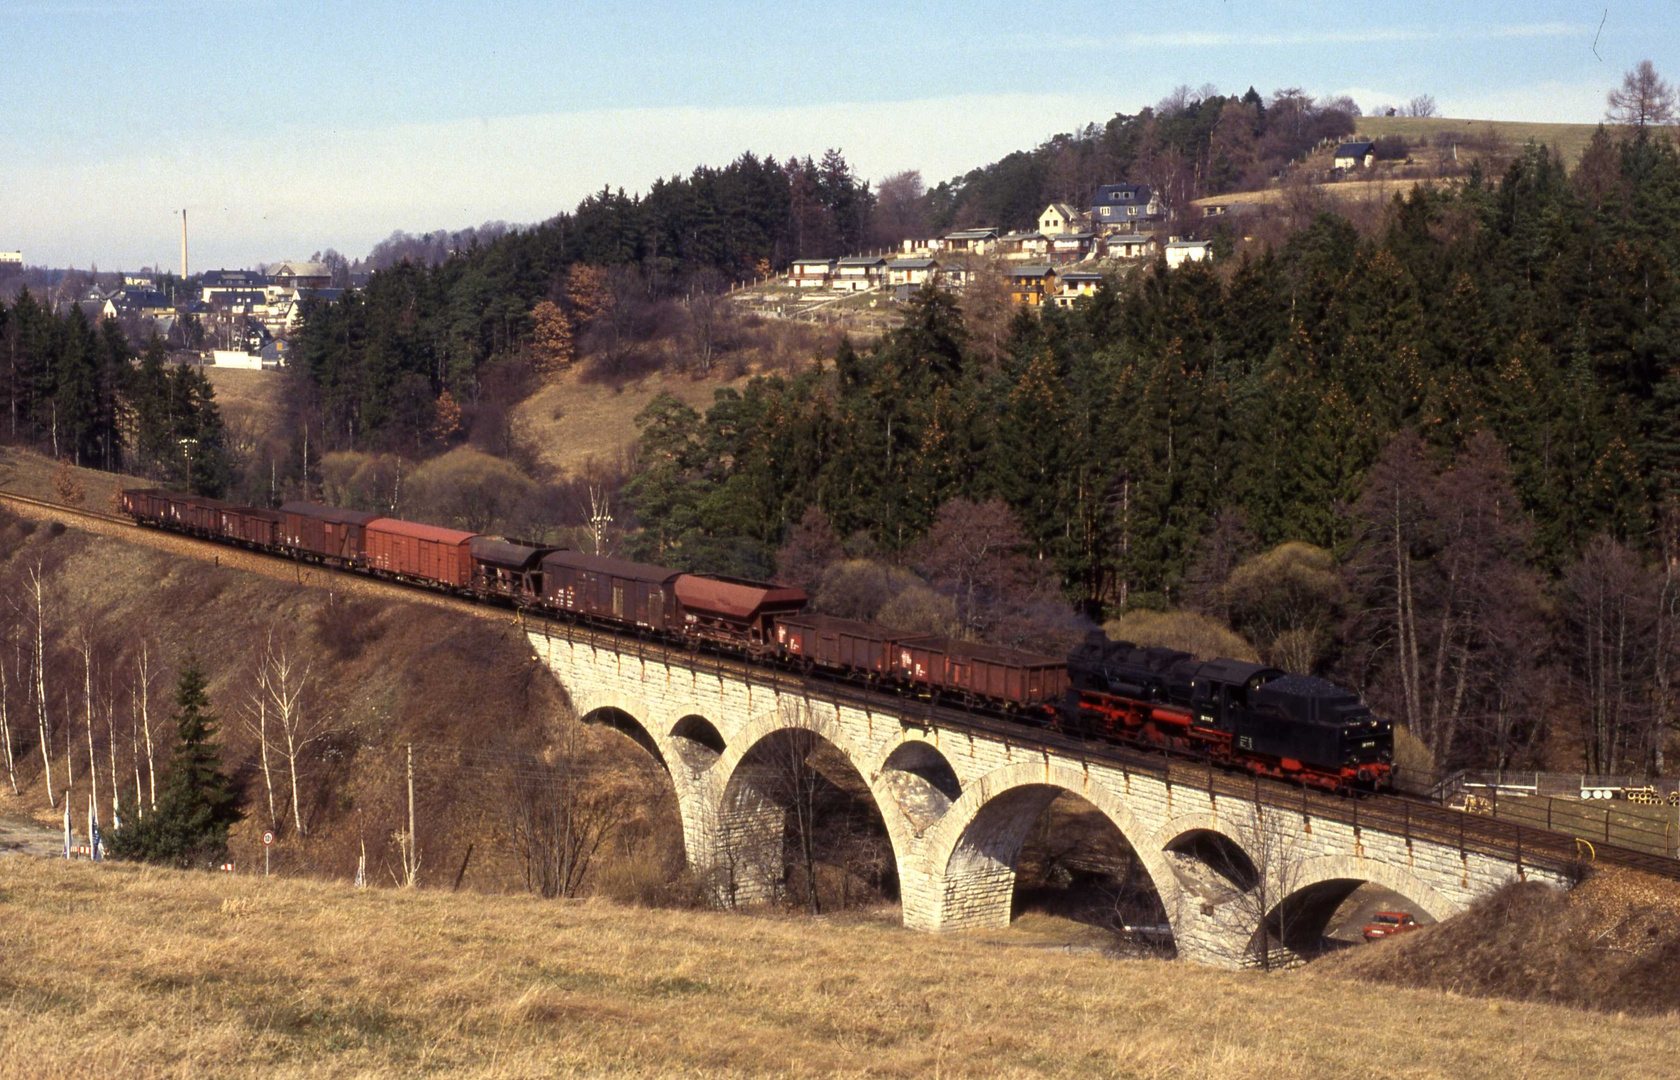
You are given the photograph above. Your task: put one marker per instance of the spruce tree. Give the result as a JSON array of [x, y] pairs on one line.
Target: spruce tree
[[199, 803]]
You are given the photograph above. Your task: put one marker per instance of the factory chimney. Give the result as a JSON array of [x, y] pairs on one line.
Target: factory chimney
[[184, 245]]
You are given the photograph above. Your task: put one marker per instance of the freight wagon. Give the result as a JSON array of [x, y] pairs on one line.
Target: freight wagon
[[735, 611], [507, 568], [429, 554], [980, 673], [598, 587], [325, 532], [845, 645]]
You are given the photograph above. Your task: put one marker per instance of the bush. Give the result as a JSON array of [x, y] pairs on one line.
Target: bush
[[1198, 634]]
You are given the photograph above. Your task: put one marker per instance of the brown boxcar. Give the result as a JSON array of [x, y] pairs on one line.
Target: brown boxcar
[[419, 552], [504, 567], [980, 672], [326, 531], [733, 610], [253, 525], [636, 594], [146, 504], [841, 644]]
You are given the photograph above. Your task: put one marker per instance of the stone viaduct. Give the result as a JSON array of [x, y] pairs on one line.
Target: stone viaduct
[[958, 804]]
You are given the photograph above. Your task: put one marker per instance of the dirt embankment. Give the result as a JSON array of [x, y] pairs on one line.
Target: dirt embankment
[[381, 674], [1612, 943]]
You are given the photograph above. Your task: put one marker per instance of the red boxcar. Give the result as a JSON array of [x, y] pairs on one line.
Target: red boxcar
[[252, 525], [980, 672], [841, 644], [730, 609], [637, 594], [420, 552], [324, 530]]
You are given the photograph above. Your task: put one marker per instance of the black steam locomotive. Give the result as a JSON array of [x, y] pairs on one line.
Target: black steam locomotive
[[1294, 727]]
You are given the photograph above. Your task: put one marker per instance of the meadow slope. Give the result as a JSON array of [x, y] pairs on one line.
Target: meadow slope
[[128, 971]]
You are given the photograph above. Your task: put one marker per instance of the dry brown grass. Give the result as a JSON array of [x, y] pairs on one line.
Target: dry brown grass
[[1570, 140], [137, 972], [573, 422], [252, 403]]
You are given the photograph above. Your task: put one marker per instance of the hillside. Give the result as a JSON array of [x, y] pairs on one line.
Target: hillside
[[142, 972], [1570, 140], [382, 673], [1611, 943]]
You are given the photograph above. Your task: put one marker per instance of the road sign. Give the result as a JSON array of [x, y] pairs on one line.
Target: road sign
[[268, 838]]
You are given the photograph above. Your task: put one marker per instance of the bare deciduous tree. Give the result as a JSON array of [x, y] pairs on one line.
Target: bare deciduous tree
[[283, 683], [6, 730], [562, 808], [41, 722], [1421, 106], [1644, 99]]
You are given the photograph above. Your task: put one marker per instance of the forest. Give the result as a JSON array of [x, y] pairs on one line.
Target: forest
[[81, 393], [1438, 462]]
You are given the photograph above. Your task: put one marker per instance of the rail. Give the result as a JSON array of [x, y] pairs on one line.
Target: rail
[[1416, 812]]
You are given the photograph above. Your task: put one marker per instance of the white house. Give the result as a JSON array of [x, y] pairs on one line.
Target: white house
[[1353, 155], [1072, 246], [859, 273], [1130, 246], [1023, 245], [1061, 218], [978, 241], [811, 273], [1180, 252], [1075, 284], [916, 272]]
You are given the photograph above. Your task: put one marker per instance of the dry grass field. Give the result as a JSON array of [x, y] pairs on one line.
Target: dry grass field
[[1570, 140], [575, 423], [251, 401], [123, 971]]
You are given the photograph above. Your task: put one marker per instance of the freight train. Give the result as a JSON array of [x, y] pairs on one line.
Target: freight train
[[1228, 712]]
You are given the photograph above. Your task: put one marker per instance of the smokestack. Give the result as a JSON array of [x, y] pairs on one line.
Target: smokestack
[[184, 274]]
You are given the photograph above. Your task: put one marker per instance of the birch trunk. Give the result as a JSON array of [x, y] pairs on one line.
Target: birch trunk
[[146, 723], [6, 733], [87, 717], [41, 722]]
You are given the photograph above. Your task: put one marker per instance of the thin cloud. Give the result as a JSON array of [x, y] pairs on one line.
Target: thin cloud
[[1203, 39]]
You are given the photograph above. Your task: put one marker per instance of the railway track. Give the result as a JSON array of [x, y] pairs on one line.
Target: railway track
[[1409, 816]]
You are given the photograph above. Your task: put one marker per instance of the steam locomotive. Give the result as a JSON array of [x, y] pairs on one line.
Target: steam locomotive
[[1228, 712]]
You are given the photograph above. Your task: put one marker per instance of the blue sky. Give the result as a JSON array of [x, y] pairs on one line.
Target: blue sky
[[290, 127]]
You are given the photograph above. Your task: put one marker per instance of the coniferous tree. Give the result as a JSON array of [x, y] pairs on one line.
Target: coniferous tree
[[199, 803]]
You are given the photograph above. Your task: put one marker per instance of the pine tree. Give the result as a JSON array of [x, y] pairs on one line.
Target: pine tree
[[199, 801]]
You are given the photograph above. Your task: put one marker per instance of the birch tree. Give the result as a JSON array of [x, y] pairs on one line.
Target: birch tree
[[84, 645], [6, 730], [42, 725], [143, 693]]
